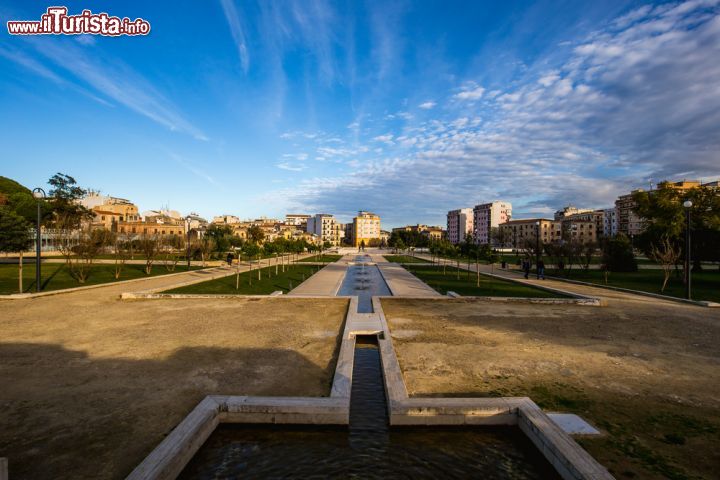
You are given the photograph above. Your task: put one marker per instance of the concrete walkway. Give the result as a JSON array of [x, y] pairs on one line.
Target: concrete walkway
[[326, 282], [401, 282]]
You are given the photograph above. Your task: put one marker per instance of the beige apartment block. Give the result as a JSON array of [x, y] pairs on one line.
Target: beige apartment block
[[459, 224], [366, 229], [487, 216], [533, 229]]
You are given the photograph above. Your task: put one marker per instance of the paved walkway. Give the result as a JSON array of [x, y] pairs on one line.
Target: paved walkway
[[326, 282], [401, 282]]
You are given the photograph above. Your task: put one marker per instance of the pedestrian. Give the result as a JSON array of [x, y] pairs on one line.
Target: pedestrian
[[526, 267], [541, 269], [229, 258]]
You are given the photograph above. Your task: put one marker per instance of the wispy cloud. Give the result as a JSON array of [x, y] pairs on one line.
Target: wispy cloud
[[427, 105], [237, 31], [293, 167], [117, 81]]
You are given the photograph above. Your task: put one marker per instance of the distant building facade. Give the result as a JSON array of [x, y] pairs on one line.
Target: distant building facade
[[532, 229], [487, 216], [326, 228], [459, 224], [366, 229]]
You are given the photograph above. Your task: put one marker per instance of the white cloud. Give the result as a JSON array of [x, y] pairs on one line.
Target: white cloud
[[387, 138], [427, 105], [233, 18], [293, 167], [471, 93]]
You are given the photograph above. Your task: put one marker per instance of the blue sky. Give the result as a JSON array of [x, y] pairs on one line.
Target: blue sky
[[407, 109]]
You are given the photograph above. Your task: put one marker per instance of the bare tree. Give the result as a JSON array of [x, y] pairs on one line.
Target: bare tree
[[667, 254], [588, 251], [149, 245], [121, 251], [90, 243], [172, 245]]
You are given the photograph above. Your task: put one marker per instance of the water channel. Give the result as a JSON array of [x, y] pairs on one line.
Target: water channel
[[369, 448]]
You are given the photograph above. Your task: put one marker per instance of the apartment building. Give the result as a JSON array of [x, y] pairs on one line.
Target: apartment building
[[628, 222], [226, 219], [487, 216], [459, 224], [609, 222], [532, 229], [433, 233], [366, 229], [297, 219], [326, 228]]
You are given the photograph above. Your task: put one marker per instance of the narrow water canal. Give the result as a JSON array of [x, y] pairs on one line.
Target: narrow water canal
[[369, 448]]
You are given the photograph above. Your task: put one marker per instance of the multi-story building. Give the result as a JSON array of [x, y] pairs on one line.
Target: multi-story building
[[226, 219], [628, 222], [366, 229], [487, 216], [570, 210], [298, 219], [532, 229], [609, 222], [579, 229], [326, 228], [459, 224]]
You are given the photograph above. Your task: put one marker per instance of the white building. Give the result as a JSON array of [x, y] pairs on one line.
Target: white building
[[459, 224], [324, 226], [487, 216], [296, 219]]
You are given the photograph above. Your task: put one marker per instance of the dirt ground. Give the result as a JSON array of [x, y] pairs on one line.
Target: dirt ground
[[645, 371], [91, 384]]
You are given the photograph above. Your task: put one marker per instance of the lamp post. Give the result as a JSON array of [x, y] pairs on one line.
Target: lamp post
[[187, 246], [537, 249], [687, 204], [39, 195]]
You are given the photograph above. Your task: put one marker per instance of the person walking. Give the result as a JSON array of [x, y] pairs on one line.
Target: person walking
[[526, 267], [541, 269]]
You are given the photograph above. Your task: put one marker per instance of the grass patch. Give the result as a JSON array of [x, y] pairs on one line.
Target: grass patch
[[56, 276], [705, 284], [465, 283], [646, 438], [404, 259], [249, 283], [325, 258]]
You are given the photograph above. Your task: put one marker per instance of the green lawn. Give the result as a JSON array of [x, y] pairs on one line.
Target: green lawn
[[325, 258], [705, 284], [405, 259], [466, 284], [249, 283], [56, 276]]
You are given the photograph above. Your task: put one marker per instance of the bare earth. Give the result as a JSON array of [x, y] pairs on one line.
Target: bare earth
[[91, 384], [645, 371]]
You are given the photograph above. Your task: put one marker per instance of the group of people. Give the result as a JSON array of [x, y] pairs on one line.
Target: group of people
[[526, 264]]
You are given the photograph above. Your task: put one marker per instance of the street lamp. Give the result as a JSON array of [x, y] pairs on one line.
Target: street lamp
[[187, 246], [687, 204], [537, 249], [39, 195]]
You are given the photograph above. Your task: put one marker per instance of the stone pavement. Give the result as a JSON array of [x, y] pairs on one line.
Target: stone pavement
[[326, 282], [401, 282]]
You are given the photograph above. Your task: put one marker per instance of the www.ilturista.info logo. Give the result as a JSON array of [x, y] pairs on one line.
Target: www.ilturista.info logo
[[57, 22]]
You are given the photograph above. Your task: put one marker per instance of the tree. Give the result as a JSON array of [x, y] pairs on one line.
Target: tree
[[667, 254], [121, 251], [149, 246], [14, 237], [664, 216], [68, 215], [172, 245], [255, 234], [90, 243], [500, 236], [617, 254], [251, 250], [221, 235], [204, 247]]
